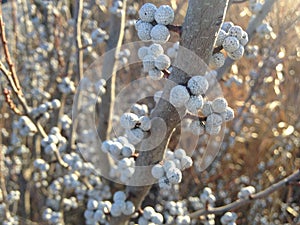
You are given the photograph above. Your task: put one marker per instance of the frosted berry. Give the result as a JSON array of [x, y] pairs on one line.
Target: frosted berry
[[162, 62], [145, 123], [174, 175], [198, 85], [179, 95], [207, 108], [217, 60], [147, 12], [236, 31], [129, 208], [194, 104], [214, 120], [219, 105], [148, 63], [135, 136], [119, 196], [128, 120], [144, 30], [244, 39], [237, 54], [245, 192], [228, 114], [155, 74], [196, 127], [231, 44], [160, 33], [142, 52], [164, 15], [226, 26], [213, 130], [155, 49], [157, 171], [221, 37]]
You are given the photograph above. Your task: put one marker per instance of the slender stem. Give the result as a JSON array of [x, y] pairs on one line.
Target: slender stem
[[79, 63], [14, 11], [78, 41], [241, 202], [7, 55]]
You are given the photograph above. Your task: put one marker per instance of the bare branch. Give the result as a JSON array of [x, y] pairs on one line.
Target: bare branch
[[237, 1], [7, 55], [241, 202]]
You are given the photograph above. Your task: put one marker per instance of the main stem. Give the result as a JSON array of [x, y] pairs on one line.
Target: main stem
[[201, 25]]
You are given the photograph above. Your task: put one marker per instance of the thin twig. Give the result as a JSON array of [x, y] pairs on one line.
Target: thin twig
[[7, 55], [237, 1], [79, 63], [14, 12], [241, 202]]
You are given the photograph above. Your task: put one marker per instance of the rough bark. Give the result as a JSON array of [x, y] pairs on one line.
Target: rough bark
[[202, 23]]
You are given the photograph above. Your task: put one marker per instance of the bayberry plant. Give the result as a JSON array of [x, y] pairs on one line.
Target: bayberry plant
[[120, 112]]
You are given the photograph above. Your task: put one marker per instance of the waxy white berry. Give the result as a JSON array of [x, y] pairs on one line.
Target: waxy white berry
[[160, 33], [198, 85], [179, 95], [147, 12], [164, 15]]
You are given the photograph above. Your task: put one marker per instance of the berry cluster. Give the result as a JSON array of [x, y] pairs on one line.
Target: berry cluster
[[98, 36], [190, 96], [66, 86], [121, 206], [118, 148], [54, 142], [124, 170], [232, 39], [140, 109], [123, 56], [177, 210], [149, 216], [216, 113], [136, 127], [42, 110], [207, 197], [246, 192], [40, 173], [66, 122], [170, 172], [153, 22], [53, 217], [229, 218], [122, 150], [25, 126], [154, 60], [97, 211]]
